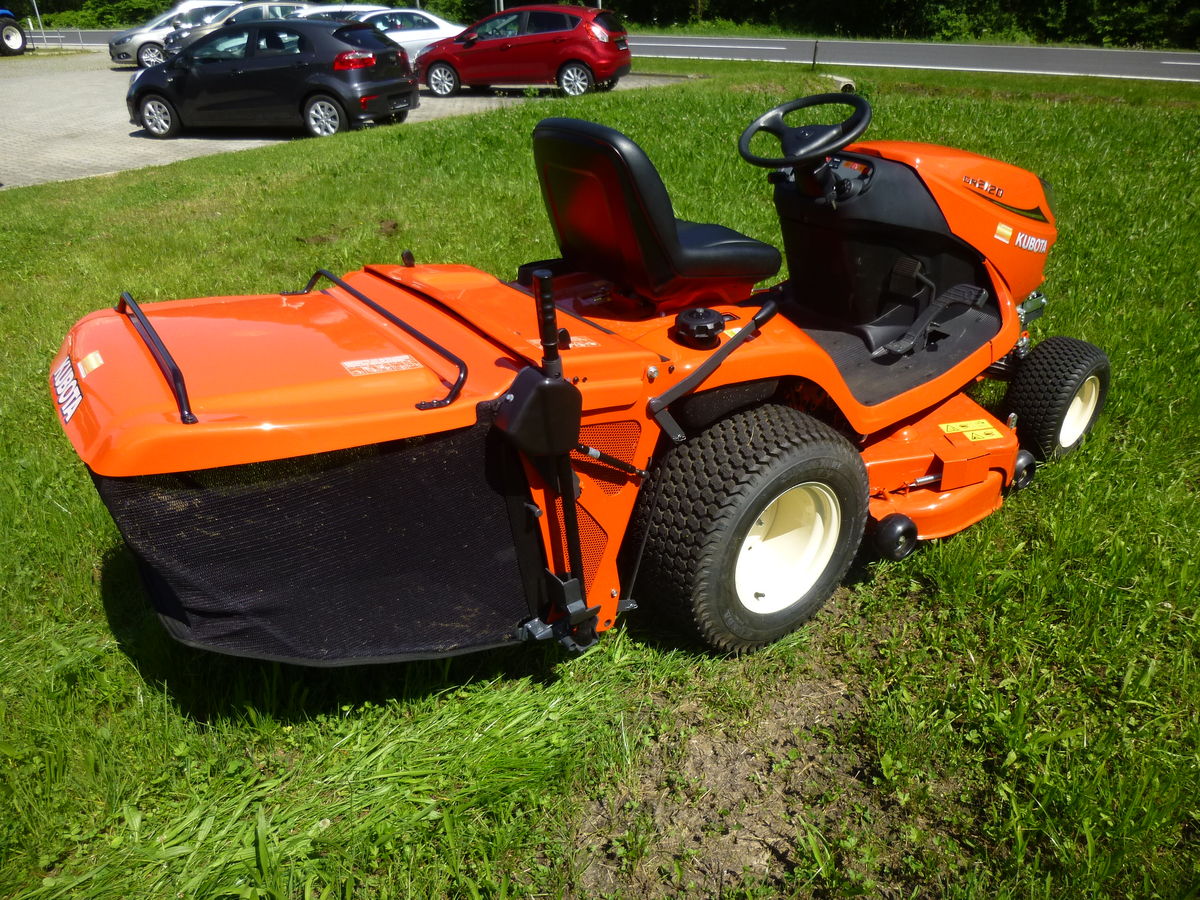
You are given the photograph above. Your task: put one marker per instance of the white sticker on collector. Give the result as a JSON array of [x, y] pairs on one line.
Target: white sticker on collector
[[380, 365]]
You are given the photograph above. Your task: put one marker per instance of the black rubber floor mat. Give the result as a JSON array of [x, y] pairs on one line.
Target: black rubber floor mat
[[875, 380]]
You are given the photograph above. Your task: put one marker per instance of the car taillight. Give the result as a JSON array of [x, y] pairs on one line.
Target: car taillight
[[599, 33], [353, 59]]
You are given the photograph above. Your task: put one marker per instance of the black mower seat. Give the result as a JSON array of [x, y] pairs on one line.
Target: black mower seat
[[612, 217]]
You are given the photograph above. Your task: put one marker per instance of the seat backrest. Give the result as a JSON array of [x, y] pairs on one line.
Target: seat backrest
[[608, 206]]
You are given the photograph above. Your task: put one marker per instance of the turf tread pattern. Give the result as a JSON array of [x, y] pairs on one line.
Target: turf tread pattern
[[1043, 386], [699, 486]]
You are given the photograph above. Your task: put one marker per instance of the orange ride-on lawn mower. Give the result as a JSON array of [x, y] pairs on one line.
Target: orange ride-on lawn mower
[[412, 461]]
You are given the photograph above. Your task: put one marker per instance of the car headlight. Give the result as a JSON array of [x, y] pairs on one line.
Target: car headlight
[[424, 52], [122, 41]]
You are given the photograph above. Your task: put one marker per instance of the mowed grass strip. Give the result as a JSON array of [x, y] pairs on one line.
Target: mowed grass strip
[[1017, 707]]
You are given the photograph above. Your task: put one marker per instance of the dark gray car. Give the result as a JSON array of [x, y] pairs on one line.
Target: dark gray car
[[326, 76]]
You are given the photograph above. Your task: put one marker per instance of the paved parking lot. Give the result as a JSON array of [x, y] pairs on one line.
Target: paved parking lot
[[64, 116]]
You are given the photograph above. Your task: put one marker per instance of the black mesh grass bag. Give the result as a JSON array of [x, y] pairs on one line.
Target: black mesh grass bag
[[395, 551]]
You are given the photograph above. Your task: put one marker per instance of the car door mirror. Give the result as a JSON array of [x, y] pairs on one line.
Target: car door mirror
[[469, 39]]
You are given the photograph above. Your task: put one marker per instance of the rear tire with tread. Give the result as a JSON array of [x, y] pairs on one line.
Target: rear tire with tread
[[751, 525], [575, 79], [324, 116], [1058, 393]]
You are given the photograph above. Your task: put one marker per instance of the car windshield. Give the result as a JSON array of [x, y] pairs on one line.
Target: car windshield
[[160, 21], [200, 14]]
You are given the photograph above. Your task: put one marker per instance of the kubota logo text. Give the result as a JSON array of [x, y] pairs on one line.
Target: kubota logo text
[[1029, 242], [66, 390]]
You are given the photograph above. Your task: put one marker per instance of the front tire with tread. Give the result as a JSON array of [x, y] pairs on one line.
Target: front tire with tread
[[1058, 393], [150, 54], [159, 117], [13, 40], [751, 525], [443, 81]]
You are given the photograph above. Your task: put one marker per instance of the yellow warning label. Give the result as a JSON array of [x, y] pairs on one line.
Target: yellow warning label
[[974, 430], [973, 425]]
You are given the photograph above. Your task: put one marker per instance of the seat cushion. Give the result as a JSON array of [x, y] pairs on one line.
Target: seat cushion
[[714, 250]]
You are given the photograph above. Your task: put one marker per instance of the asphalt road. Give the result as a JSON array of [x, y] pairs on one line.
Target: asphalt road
[[1141, 64]]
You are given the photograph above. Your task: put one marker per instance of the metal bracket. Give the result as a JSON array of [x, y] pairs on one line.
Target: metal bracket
[[658, 405]]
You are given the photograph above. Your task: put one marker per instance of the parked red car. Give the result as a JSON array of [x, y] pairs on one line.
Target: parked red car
[[577, 47]]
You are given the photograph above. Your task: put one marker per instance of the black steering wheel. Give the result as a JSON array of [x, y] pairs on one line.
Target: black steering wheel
[[806, 143]]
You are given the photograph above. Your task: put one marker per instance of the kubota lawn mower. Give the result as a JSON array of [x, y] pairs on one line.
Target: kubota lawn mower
[[421, 460]]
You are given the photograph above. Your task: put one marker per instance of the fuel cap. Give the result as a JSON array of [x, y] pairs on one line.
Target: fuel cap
[[699, 327]]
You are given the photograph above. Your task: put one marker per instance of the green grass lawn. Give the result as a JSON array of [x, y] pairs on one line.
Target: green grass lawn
[[1014, 711]]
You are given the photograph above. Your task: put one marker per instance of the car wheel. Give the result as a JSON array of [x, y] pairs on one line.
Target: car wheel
[[1057, 393], [150, 54], [12, 37], [442, 80], [159, 116], [750, 526], [575, 79], [323, 116]]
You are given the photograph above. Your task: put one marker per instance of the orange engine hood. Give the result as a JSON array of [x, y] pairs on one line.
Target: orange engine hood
[[1002, 210]]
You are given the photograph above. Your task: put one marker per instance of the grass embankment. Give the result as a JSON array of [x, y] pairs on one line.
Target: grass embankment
[[1009, 712]]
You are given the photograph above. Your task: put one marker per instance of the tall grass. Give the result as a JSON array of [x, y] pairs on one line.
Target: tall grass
[[1025, 718]]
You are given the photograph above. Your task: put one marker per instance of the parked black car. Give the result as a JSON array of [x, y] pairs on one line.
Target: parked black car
[[326, 76]]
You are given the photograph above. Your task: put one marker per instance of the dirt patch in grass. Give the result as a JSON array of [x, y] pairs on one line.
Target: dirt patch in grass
[[787, 799], [712, 809]]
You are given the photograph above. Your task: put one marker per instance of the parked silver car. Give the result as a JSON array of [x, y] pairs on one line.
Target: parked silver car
[[412, 29], [143, 45], [338, 12], [236, 15]]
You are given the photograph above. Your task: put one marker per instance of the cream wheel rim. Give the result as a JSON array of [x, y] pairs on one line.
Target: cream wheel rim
[[1080, 412], [789, 546]]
